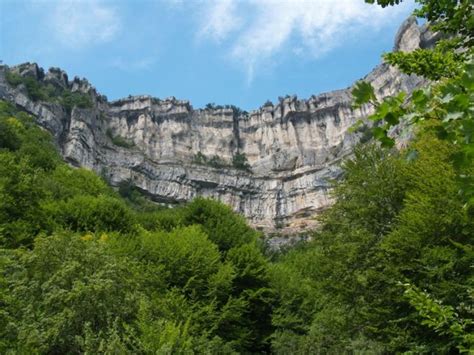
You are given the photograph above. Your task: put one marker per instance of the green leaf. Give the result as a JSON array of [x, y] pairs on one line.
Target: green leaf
[[419, 99], [363, 93], [379, 132], [392, 119], [387, 142]]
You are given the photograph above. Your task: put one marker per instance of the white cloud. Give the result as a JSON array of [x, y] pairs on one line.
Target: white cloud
[[219, 19], [78, 24], [305, 27]]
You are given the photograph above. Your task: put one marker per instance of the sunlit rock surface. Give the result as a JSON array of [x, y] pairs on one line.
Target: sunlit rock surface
[[294, 147]]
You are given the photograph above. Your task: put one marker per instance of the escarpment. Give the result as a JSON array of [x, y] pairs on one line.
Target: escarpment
[[274, 165]]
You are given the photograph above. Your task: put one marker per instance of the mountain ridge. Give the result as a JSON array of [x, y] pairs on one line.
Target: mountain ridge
[[173, 152]]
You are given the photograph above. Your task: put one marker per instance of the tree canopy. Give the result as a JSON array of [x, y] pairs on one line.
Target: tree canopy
[[85, 268]]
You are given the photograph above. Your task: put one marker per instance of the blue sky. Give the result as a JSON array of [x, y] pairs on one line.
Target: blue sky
[[239, 52]]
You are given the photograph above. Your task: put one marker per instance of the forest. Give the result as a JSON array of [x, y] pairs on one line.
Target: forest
[[87, 268]]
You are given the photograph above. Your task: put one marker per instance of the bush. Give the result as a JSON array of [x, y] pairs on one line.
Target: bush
[[69, 100], [119, 141], [237, 111], [9, 138], [13, 79], [239, 161], [200, 158], [217, 162], [35, 90], [165, 219], [65, 182]]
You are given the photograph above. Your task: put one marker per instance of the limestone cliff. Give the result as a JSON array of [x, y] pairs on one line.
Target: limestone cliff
[[293, 147]]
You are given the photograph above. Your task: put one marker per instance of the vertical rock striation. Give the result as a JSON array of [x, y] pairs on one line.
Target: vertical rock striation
[[293, 147]]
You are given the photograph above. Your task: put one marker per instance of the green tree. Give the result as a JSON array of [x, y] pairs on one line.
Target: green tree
[[221, 224], [65, 288], [448, 99], [94, 214]]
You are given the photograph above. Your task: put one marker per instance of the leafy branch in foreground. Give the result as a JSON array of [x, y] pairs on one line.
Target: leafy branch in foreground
[[450, 103], [442, 318], [448, 100]]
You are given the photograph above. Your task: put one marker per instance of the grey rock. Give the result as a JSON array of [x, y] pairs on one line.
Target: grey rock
[[294, 147]]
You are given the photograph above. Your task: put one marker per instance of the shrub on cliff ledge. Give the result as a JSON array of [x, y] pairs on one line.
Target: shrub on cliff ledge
[[75, 99], [119, 140], [39, 91], [239, 161]]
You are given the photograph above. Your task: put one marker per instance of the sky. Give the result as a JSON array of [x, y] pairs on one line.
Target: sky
[[240, 52]]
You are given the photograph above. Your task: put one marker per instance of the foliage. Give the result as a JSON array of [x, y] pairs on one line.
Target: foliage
[[211, 106], [395, 219], [66, 287], [13, 79], [200, 158], [39, 91], [239, 161], [94, 214], [434, 64], [447, 100], [119, 140], [222, 225], [69, 100], [443, 319], [215, 161], [237, 111], [84, 269]]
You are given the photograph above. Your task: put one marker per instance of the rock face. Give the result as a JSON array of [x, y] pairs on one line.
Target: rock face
[[293, 147]]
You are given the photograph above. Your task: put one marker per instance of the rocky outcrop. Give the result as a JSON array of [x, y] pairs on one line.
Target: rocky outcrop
[[293, 147]]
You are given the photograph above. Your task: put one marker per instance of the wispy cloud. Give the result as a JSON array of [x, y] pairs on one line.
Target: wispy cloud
[[133, 64], [219, 19], [78, 24], [304, 27]]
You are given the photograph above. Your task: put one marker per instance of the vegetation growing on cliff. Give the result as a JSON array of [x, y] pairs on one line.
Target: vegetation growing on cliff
[[237, 111], [239, 161], [39, 91], [84, 269], [119, 140]]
